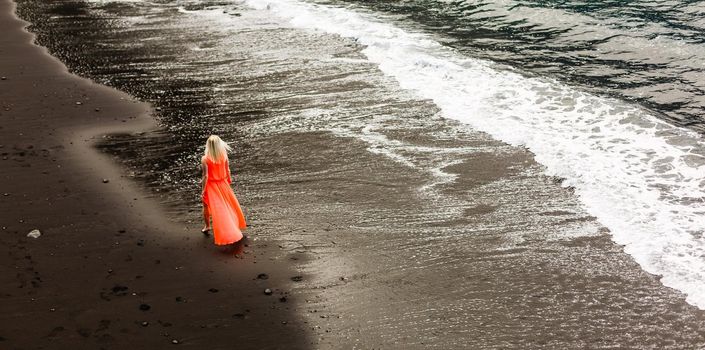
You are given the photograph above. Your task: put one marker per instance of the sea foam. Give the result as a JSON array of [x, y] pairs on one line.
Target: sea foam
[[641, 177]]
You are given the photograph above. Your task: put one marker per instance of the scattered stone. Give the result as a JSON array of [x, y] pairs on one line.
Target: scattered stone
[[97, 109], [213, 290], [282, 299], [121, 231], [283, 322], [262, 276], [297, 278], [105, 181], [34, 234], [267, 291], [145, 307], [3, 78], [159, 109], [140, 243], [145, 324], [78, 103], [174, 341], [343, 278], [180, 300], [5, 194]]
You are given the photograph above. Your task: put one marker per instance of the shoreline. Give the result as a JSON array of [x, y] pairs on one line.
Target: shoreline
[[107, 248], [386, 256]]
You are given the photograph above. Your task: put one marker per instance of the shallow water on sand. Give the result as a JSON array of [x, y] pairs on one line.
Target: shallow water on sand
[[417, 231]]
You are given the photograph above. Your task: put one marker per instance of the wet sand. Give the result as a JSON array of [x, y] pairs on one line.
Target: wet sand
[[110, 270], [378, 253]]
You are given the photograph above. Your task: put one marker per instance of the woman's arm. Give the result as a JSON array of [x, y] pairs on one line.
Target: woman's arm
[[227, 166], [204, 177]]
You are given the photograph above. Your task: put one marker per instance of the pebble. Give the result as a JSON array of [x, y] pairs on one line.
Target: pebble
[[267, 291], [5, 194], [34, 234], [78, 103], [97, 109], [3, 78], [262, 276], [105, 181], [145, 324], [297, 278], [174, 341], [213, 290], [145, 307], [282, 299]]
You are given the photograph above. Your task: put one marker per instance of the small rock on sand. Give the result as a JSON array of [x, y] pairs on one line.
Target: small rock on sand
[[262, 276], [145, 307], [267, 291], [174, 341], [3, 78], [34, 234], [105, 181], [78, 103], [297, 278]]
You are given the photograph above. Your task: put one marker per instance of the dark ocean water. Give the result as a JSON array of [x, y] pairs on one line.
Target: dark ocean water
[[650, 52], [483, 154]]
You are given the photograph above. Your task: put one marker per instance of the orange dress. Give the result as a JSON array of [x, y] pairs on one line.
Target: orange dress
[[228, 220]]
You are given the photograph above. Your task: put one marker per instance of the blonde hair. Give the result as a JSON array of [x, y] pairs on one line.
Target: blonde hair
[[216, 149]]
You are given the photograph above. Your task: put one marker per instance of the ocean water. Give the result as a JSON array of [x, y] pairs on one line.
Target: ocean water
[[515, 132], [629, 142]]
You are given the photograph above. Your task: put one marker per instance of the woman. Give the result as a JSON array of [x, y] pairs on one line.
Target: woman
[[219, 202]]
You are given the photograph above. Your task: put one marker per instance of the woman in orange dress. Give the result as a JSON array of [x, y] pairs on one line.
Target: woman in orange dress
[[219, 202]]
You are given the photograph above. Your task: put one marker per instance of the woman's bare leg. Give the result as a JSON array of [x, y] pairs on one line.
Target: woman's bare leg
[[206, 219]]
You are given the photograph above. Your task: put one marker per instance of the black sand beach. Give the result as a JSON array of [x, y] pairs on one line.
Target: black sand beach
[[110, 270], [362, 251]]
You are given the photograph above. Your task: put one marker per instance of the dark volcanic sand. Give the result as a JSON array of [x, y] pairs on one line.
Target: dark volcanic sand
[[490, 254], [106, 248]]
